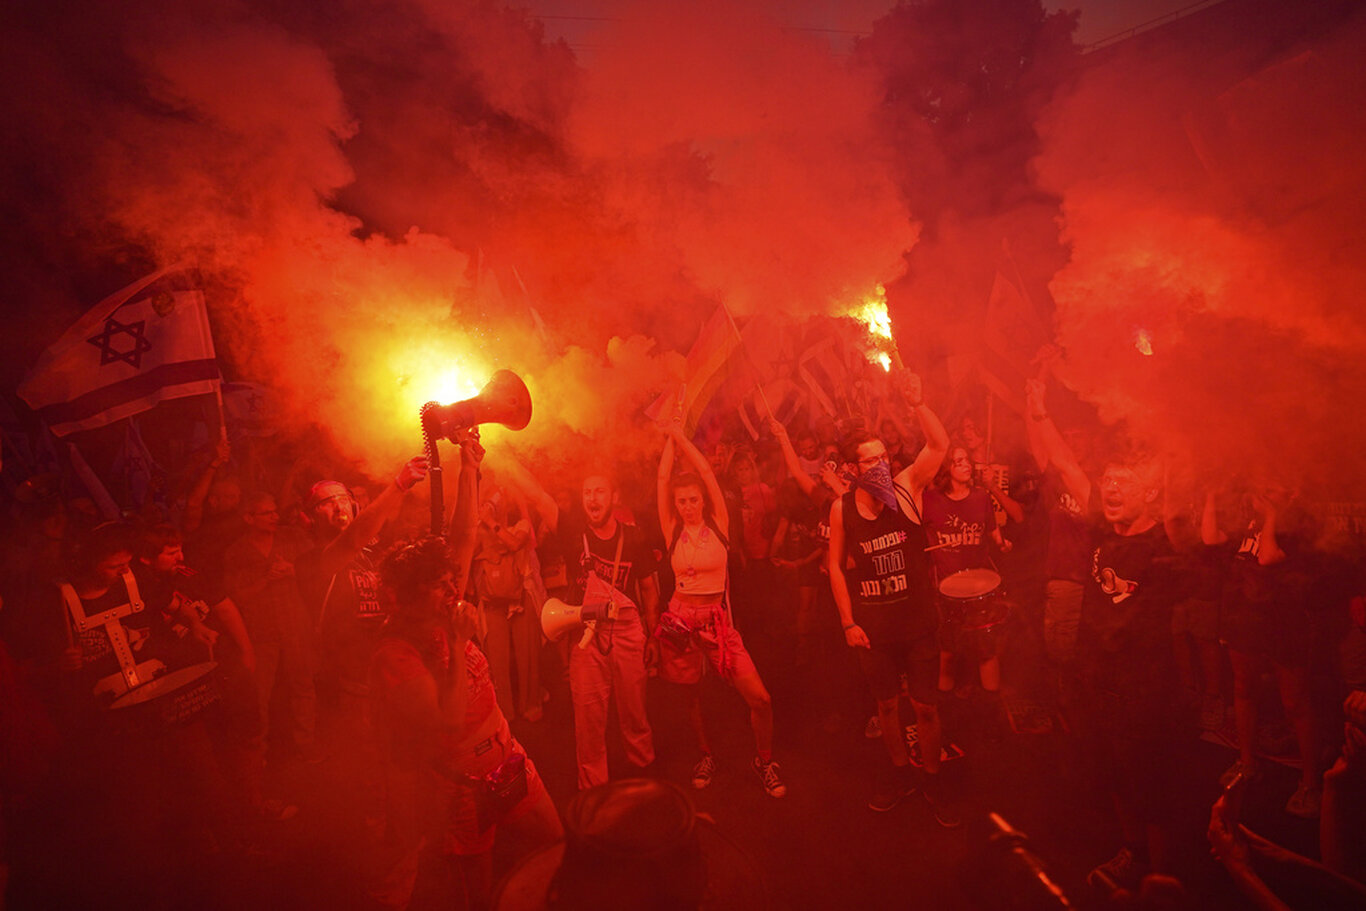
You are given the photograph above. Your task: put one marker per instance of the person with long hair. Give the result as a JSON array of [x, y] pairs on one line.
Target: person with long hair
[[696, 629], [451, 758], [445, 733], [961, 522]]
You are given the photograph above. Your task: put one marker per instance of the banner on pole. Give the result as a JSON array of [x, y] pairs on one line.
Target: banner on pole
[[142, 345]]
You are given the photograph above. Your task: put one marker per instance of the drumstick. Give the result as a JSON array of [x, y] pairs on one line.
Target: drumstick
[[939, 545]]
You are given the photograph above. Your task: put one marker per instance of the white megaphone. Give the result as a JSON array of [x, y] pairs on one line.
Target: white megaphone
[[558, 618]]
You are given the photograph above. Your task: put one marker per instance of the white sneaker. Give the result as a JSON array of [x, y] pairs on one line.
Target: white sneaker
[[703, 771], [1305, 802]]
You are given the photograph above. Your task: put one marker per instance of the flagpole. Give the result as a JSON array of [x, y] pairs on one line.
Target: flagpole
[[753, 366], [991, 401], [92, 483], [222, 415]]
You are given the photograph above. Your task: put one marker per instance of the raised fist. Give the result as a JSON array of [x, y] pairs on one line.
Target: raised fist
[[413, 471], [908, 384]]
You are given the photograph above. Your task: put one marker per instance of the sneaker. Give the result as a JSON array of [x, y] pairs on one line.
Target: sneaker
[[768, 774], [873, 729], [1305, 802], [1123, 871], [893, 784], [1249, 772], [1212, 712], [703, 771], [945, 808]]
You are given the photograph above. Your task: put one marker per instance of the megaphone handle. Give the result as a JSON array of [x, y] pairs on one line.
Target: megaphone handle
[[590, 628]]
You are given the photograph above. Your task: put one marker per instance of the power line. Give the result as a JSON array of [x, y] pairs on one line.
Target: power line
[[1150, 24]]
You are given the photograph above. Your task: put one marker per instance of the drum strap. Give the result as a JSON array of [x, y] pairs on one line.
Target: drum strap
[[113, 628]]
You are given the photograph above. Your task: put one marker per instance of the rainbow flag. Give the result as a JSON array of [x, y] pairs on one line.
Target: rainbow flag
[[703, 374]]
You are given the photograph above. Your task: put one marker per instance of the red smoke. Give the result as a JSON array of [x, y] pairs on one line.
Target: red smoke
[[1212, 185], [395, 191], [388, 200]]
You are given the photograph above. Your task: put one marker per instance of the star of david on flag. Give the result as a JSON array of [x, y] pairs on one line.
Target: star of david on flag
[[144, 344]]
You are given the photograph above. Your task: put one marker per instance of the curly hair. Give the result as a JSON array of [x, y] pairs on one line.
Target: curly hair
[[409, 566]]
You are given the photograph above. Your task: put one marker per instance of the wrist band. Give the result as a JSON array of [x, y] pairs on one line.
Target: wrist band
[[850, 626], [1039, 417]]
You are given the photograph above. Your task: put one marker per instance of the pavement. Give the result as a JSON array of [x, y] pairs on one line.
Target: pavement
[[819, 847]]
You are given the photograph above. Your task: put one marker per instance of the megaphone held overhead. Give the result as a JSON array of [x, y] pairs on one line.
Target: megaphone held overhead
[[503, 400]]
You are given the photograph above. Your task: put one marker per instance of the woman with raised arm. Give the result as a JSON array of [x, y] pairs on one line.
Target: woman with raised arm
[[696, 628]]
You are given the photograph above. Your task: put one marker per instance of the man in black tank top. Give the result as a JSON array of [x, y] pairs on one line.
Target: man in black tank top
[[880, 578]]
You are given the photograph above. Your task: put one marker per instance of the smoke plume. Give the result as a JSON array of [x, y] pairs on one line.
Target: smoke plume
[[1211, 186], [390, 199]]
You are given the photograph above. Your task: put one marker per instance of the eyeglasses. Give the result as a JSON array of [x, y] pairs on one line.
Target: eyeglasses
[[870, 461]]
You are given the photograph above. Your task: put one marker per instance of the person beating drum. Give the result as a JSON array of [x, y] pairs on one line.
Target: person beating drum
[[960, 520]]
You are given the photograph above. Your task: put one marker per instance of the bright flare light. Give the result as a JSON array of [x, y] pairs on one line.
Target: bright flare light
[[437, 368], [1144, 342], [872, 313]]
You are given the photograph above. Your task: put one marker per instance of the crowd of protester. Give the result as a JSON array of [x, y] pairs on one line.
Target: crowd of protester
[[251, 614]]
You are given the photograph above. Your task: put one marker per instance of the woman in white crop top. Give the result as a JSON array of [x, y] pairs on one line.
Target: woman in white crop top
[[696, 628]]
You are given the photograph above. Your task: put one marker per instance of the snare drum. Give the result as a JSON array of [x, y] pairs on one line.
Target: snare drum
[[973, 611], [173, 699]]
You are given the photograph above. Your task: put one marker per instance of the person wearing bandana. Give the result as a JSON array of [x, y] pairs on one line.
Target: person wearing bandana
[[880, 578]]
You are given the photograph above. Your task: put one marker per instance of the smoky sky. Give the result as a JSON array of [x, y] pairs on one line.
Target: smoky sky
[[388, 200]]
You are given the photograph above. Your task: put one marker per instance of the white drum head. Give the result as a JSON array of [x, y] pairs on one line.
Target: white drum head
[[969, 583], [166, 683]]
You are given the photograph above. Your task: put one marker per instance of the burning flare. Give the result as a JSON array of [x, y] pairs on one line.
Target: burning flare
[[872, 314]]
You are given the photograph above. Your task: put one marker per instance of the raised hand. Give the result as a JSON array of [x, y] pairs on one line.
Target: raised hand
[[413, 471], [909, 386]]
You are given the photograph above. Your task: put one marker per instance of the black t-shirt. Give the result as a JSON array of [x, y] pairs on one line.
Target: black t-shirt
[[142, 629], [159, 591], [347, 611], [889, 584], [803, 525], [1280, 586], [1069, 531], [206, 547], [1128, 598], [352, 594], [163, 594], [637, 560], [959, 530]]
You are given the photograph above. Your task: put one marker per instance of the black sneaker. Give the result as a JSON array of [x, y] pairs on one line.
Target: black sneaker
[[768, 774], [893, 785], [945, 808]]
